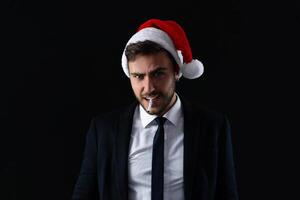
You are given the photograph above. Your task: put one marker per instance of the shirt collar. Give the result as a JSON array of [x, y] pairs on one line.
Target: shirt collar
[[173, 115]]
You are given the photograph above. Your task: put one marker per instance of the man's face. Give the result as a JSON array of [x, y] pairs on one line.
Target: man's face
[[153, 76]]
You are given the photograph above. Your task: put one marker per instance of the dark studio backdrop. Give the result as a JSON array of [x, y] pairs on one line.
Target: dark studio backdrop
[[61, 65]]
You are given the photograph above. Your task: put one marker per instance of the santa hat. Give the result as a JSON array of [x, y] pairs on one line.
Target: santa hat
[[171, 37]]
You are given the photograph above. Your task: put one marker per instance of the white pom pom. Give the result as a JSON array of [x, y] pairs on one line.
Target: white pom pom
[[192, 70]]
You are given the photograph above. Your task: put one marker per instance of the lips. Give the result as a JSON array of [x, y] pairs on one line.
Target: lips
[[151, 97], [154, 98]]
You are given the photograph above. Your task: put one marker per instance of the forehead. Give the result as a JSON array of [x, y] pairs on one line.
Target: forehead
[[143, 63]]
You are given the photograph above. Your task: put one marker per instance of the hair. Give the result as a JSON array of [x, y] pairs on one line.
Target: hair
[[147, 47]]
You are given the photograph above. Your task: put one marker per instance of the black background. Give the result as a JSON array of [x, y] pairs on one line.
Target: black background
[[61, 65]]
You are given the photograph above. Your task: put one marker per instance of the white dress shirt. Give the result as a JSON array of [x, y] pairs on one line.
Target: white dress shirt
[[140, 154]]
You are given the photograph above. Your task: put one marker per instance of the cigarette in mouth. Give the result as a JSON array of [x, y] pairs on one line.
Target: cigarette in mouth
[[149, 105]]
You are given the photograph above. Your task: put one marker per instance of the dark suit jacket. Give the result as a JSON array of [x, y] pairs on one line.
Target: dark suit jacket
[[209, 172]]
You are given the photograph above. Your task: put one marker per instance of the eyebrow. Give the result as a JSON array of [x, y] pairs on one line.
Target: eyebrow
[[152, 72], [136, 74]]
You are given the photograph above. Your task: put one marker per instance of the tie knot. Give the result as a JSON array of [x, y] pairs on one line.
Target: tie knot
[[160, 120]]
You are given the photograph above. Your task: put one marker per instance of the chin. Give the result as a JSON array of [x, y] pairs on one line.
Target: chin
[[155, 111], [152, 111]]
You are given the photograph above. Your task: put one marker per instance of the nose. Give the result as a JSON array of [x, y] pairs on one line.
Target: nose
[[148, 85]]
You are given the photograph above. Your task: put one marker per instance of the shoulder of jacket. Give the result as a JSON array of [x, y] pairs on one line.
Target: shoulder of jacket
[[204, 114], [115, 114]]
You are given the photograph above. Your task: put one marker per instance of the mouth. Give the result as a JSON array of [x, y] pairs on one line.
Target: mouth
[[151, 100]]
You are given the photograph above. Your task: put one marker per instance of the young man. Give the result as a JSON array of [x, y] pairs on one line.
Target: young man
[[160, 147]]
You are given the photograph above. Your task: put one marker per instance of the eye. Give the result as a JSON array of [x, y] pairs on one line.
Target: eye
[[158, 74], [138, 76]]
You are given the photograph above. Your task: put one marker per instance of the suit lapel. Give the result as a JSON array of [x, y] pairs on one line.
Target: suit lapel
[[122, 148], [191, 133], [190, 151]]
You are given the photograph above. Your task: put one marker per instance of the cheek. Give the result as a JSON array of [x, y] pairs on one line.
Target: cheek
[[169, 85], [136, 88], [136, 91]]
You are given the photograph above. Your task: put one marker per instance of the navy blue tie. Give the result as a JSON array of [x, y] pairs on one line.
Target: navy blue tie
[[157, 179]]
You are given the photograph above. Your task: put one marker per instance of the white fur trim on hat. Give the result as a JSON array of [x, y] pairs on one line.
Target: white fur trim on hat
[[191, 70], [154, 35]]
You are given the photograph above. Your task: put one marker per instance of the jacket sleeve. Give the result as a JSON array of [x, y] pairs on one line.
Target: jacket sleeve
[[86, 186], [226, 184]]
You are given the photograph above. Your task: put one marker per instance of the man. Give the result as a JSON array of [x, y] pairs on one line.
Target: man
[[160, 147]]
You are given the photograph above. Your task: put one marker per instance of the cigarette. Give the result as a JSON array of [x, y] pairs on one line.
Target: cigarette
[[149, 105]]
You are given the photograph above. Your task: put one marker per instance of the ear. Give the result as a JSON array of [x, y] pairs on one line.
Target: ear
[[176, 76]]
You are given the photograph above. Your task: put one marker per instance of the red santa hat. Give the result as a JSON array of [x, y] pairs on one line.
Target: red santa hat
[[170, 35]]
